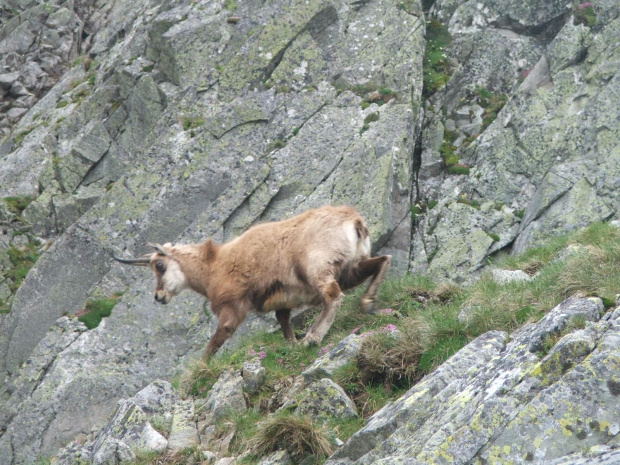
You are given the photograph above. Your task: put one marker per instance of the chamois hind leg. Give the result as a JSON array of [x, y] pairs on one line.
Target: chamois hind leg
[[284, 318], [229, 320], [376, 268], [332, 298]]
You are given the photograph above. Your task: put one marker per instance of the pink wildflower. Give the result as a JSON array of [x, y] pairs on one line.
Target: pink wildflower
[[386, 311], [356, 330], [262, 354], [390, 328], [584, 5]]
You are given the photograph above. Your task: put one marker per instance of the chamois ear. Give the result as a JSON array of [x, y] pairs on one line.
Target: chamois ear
[[160, 250]]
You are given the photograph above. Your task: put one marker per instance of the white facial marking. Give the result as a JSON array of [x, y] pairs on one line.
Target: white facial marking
[[174, 279]]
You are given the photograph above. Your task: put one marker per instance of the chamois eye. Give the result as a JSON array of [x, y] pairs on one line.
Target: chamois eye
[[160, 266]]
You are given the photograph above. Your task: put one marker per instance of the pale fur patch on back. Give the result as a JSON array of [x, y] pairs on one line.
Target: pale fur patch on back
[[174, 278], [359, 247]]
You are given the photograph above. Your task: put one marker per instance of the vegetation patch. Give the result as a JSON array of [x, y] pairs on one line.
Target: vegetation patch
[[370, 92], [369, 119], [492, 104], [182, 457], [459, 169], [494, 237], [298, 434], [230, 5], [18, 204], [584, 14], [448, 152], [22, 259], [80, 95], [470, 202], [435, 66], [276, 145], [62, 103], [190, 122], [95, 310], [21, 135]]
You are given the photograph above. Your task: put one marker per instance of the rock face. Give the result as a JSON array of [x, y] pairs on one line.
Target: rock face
[[164, 122], [501, 400], [547, 162], [125, 122]]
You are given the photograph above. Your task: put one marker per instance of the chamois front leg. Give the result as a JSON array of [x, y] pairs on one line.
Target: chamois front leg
[[332, 298], [229, 319]]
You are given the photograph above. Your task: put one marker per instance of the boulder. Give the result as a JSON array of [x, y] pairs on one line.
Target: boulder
[[325, 366], [324, 399], [225, 396]]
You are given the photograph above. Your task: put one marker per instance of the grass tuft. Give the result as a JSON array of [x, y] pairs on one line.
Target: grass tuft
[[298, 434]]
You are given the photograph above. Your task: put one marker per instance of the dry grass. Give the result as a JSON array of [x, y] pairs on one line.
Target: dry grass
[[593, 271], [393, 358], [298, 434], [200, 376]]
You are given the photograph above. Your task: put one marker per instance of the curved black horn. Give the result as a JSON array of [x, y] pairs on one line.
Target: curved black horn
[[158, 247], [144, 261]]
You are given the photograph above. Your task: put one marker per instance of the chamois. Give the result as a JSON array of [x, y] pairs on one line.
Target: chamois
[[279, 266]]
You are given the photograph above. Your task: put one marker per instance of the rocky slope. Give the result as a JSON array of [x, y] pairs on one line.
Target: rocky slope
[[501, 399], [133, 121]]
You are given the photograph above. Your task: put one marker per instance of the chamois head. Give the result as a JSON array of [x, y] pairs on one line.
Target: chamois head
[[169, 277]]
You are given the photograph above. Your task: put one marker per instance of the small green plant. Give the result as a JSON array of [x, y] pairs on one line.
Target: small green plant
[[584, 14], [276, 145], [18, 204], [448, 150], [22, 259], [191, 122], [147, 69], [21, 135], [62, 103], [91, 80], [472, 203], [495, 237], [381, 96], [520, 213], [435, 66], [230, 5], [369, 119], [95, 310], [458, 169], [80, 95], [415, 211], [492, 104]]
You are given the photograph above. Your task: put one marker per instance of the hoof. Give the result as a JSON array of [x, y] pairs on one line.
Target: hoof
[[309, 341], [367, 305]]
